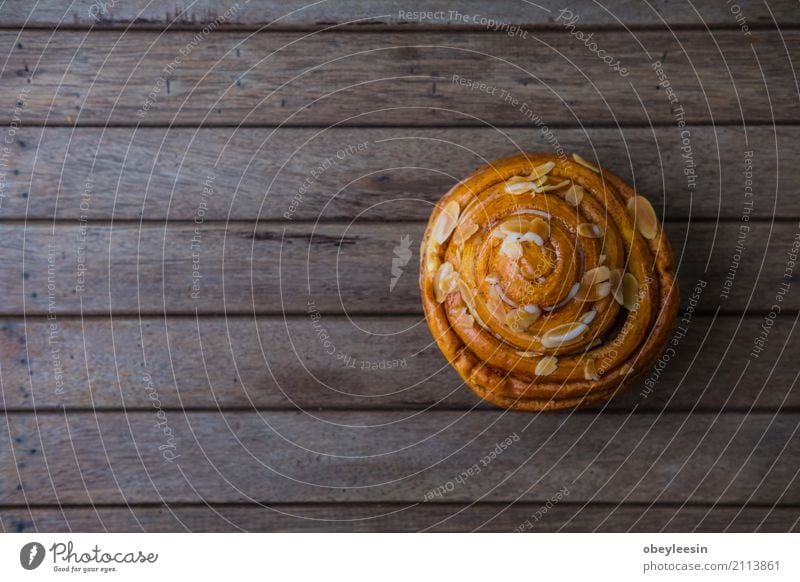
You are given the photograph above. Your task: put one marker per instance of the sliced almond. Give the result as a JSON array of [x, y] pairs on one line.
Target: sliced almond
[[469, 300], [563, 334], [465, 233], [466, 294], [532, 237], [492, 278], [615, 278], [495, 303], [547, 365], [585, 164], [532, 309], [446, 222], [643, 216], [465, 319], [590, 370], [432, 261], [539, 181], [625, 369], [514, 225], [602, 290], [520, 319], [594, 293], [541, 228], [518, 188], [589, 230], [445, 270], [574, 195], [630, 292], [550, 187], [589, 317], [541, 171], [595, 276], [602, 260], [511, 247], [445, 282], [529, 354], [530, 179]]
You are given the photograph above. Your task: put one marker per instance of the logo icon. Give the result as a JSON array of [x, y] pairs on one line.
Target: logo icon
[[31, 555], [402, 254]]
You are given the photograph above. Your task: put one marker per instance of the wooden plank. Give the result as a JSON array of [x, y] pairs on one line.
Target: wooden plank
[[148, 78], [434, 517], [371, 363], [333, 267], [470, 13], [287, 457], [159, 173]]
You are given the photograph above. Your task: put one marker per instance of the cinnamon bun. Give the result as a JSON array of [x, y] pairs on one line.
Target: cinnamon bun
[[547, 282]]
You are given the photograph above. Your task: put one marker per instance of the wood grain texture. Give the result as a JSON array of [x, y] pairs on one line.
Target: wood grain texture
[[158, 173], [393, 78], [113, 458], [483, 517], [333, 268], [383, 13], [371, 363]]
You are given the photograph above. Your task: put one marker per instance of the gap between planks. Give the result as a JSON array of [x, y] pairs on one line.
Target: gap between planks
[[280, 409], [721, 122], [367, 27]]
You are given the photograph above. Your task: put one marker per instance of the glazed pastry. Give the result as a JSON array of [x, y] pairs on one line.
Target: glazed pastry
[[548, 283]]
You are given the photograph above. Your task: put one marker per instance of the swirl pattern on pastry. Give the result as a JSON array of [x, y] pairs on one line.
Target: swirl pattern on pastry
[[548, 283]]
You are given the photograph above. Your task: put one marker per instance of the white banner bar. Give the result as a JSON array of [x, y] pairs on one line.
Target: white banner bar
[[400, 557]]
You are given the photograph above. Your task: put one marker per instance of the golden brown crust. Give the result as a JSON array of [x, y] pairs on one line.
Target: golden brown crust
[[547, 283]]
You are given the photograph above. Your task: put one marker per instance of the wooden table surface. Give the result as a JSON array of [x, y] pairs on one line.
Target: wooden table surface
[[208, 322]]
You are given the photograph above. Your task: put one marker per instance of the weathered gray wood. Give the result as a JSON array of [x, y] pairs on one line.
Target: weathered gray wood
[[372, 363], [333, 267], [158, 173], [297, 13], [77, 458], [435, 517], [394, 78]]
